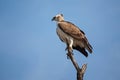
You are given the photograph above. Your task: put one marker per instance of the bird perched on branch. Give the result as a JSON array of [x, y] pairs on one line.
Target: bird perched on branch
[[73, 36]]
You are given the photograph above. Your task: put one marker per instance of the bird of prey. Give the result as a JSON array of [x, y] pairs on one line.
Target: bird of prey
[[73, 36]]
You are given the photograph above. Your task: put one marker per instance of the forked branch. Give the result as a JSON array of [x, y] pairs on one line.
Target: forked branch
[[80, 71]]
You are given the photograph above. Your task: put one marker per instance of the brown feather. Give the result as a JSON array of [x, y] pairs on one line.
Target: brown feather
[[73, 31], [82, 50]]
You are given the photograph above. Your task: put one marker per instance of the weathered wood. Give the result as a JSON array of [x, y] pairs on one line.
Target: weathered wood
[[80, 71]]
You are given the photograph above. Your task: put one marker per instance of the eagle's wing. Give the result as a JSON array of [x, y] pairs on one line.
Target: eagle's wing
[[75, 33], [71, 30]]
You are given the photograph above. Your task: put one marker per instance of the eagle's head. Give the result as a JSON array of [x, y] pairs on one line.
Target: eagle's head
[[58, 18]]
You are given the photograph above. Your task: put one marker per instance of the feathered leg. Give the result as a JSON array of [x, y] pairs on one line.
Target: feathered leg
[[69, 48]]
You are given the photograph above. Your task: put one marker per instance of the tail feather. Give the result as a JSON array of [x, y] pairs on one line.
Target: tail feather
[[89, 48], [82, 50]]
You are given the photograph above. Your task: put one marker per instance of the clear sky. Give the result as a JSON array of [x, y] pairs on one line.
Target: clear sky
[[31, 50]]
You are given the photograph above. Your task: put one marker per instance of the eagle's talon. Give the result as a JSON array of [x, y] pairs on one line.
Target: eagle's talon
[[70, 50], [66, 48], [69, 55]]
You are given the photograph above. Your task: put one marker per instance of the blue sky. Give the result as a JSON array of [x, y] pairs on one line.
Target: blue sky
[[31, 50]]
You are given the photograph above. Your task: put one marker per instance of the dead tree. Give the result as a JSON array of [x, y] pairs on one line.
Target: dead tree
[[80, 71]]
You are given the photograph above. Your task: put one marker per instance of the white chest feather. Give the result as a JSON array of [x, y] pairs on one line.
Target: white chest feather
[[64, 37]]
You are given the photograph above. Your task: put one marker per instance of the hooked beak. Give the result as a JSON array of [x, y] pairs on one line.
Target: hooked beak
[[53, 18]]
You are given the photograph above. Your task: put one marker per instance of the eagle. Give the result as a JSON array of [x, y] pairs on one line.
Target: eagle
[[72, 35]]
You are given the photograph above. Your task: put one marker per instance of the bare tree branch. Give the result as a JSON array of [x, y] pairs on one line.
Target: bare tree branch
[[80, 71]]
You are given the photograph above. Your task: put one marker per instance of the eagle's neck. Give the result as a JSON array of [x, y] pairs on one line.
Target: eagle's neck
[[60, 21]]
